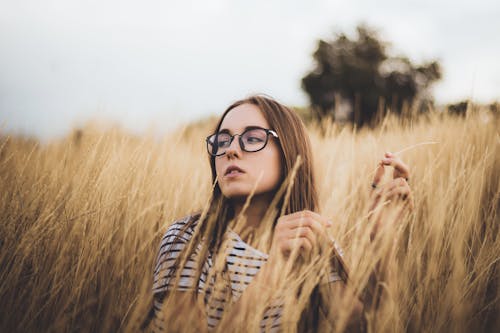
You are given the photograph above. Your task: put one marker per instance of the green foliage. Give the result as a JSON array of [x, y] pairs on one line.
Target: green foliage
[[359, 73]]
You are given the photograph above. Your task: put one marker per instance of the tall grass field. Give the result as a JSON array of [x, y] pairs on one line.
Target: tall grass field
[[81, 219]]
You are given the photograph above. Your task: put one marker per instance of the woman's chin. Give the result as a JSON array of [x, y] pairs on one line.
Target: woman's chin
[[237, 195], [242, 195]]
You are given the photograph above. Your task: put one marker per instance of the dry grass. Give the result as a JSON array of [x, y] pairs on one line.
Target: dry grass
[[82, 217]]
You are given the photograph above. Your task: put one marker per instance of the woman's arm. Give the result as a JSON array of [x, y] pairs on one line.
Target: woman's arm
[[175, 298], [396, 191]]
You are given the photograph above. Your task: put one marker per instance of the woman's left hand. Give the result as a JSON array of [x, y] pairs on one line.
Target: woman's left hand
[[397, 191]]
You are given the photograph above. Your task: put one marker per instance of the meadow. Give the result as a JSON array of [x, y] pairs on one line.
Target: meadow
[[81, 219]]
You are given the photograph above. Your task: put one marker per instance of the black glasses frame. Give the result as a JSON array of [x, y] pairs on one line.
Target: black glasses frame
[[240, 141]]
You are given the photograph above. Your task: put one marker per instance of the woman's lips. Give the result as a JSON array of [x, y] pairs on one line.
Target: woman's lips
[[233, 174], [233, 171]]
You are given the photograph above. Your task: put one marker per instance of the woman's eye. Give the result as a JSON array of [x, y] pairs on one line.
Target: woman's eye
[[254, 139], [223, 143]]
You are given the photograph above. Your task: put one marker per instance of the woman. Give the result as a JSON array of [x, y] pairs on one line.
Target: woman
[[259, 254]]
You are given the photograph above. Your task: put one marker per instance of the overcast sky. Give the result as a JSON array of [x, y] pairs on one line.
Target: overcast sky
[[142, 63]]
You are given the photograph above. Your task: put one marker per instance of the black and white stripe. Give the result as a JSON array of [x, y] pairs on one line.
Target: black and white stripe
[[243, 263]]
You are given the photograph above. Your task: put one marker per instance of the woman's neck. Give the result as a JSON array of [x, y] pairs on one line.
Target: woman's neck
[[253, 215]]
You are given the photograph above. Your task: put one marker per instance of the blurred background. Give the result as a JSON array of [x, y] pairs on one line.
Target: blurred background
[[122, 93], [152, 65]]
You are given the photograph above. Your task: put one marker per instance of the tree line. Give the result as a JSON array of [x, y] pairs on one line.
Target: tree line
[[355, 79]]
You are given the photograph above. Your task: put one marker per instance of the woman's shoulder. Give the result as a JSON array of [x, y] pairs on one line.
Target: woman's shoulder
[[182, 228]]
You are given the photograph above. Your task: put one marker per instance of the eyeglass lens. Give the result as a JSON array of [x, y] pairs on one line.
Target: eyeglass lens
[[252, 140]]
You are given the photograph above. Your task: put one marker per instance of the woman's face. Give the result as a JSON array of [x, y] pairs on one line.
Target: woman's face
[[262, 167]]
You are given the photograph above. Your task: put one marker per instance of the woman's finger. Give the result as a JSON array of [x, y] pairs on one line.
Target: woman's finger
[[289, 245], [399, 192], [400, 181], [309, 219], [383, 190], [316, 228], [392, 188], [400, 168], [307, 214], [302, 232], [379, 173]]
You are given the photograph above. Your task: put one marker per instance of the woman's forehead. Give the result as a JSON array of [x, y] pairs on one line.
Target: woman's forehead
[[242, 116]]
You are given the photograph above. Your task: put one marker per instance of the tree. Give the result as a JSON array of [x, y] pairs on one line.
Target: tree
[[359, 73]]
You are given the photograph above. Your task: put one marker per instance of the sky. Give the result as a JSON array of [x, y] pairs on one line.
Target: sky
[[152, 65]]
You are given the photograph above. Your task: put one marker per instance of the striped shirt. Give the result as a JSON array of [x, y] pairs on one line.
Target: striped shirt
[[243, 263]]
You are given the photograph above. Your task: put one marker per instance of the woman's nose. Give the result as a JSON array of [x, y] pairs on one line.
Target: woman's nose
[[234, 148]]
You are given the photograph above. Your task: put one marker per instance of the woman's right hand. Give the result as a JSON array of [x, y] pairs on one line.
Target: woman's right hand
[[299, 233]]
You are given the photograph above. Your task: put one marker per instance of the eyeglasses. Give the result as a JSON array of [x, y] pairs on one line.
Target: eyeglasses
[[251, 140]]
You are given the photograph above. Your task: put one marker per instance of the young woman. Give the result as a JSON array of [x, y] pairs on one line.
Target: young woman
[[259, 255]]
